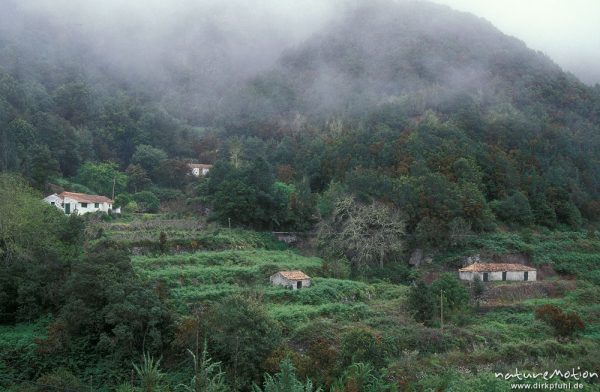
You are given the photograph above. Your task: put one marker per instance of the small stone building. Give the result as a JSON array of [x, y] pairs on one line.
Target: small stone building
[[497, 271], [293, 279]]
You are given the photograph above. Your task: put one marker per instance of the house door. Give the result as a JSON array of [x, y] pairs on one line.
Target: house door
[[67, 208], [485, 276], [299, 284], [504, 275], [526, 275]]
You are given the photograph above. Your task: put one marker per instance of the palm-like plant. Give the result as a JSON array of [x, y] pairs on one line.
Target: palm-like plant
[[208, 376], [362, 377], [285, 381], [149, 373]]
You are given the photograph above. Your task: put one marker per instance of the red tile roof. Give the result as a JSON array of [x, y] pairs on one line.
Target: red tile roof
[[495, 267], [294, 275], [84, 198]]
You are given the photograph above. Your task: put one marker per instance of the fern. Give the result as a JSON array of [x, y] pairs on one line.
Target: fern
[[285, 381]]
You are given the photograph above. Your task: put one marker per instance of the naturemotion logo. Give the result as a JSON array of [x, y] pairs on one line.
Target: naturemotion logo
[[559, 379], [547, 375]]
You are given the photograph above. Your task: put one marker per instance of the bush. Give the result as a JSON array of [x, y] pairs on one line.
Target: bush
[[478, 287], [60, 379], [167, 194], [363, 377], [147, 201], [421, 303], [565, 325], [110, 307], [132, 206], [123, 199], [362, 345], [514, 209], [243, 335], [285, 380], [455, 295]]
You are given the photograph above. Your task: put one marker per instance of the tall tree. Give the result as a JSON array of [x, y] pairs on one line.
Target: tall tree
[[102, 177], [366, 234]]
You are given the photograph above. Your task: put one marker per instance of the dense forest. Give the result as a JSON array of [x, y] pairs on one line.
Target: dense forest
[[424, 127], [389, 111]]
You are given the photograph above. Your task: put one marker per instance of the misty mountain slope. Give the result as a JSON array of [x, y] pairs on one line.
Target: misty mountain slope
[[63, 103], [69, 95], [418, 55], [403, 91]]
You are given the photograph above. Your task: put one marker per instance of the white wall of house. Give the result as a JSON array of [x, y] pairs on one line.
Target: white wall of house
[[80, 208], [510, 275], [197, 171], [278, 279], [54, 200]]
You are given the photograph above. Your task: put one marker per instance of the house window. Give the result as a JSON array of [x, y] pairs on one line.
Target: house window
[[504, 275], [485, 277], [84, 205], [526, 275], [96, 205], [51, 203]]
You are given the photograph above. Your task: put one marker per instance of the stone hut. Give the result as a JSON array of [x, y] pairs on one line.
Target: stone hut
[[293, 279], [496, 271]]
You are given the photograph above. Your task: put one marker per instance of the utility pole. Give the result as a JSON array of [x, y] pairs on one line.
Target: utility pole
[[229, 220], [113, 192], [441, 310]]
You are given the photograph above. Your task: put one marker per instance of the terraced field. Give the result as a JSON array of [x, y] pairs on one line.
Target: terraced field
[[193, 278], [496, 337]]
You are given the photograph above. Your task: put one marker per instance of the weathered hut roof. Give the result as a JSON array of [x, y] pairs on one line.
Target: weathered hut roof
[[294, 275], [85, 198], [199, 166], [495, 267]]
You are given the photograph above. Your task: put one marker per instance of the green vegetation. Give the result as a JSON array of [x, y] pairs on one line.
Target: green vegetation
[[114, 311], [377, 138]]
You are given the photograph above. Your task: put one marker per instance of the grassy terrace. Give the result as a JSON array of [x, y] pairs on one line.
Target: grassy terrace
[[211, 275], [497, 337], [569, 253]]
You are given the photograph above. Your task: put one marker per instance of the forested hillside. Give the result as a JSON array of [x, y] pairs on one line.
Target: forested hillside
[[390, 101], [396, 129]]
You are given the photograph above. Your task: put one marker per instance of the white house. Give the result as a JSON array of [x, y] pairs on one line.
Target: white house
[[492, 271], [80, 203], [199, 169], [293, 279]]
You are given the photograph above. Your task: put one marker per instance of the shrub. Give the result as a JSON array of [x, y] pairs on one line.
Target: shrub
[[455, 295], [514, 209], [243, 335], [362, 377], [132, 206], [362, 345], [285, 380], [147, 201], [60, 379], [565, 325], [421, 302], [123, 199]]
